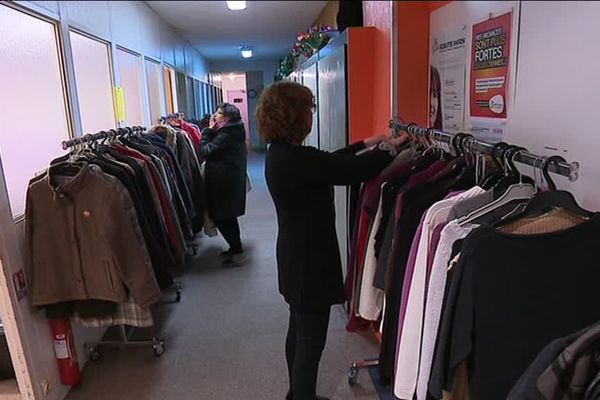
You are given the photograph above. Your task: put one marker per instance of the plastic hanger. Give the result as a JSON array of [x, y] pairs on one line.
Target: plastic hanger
[[493, 178], [546, 201], [512, 175], [518, 191]]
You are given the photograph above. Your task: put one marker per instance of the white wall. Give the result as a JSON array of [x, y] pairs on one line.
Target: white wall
[[134, 26], [237, 83], [269, 67], [553, 106]]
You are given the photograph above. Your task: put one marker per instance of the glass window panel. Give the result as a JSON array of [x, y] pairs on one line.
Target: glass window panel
[[130, 70], [191, 112], [205, 98], [94, 83], [32, 98], [198, 99], [155, 90], [182, 94]]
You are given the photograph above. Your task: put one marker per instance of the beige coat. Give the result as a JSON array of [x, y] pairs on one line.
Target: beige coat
[[83, 240]]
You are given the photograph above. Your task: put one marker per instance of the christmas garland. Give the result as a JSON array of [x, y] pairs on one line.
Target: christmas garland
[[308, 44]]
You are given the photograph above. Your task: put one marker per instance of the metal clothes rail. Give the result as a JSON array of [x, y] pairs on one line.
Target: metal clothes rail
[[94, 349], [570, 170], [111, 133]]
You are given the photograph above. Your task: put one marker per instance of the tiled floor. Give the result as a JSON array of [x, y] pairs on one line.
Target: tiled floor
[[225, 340]]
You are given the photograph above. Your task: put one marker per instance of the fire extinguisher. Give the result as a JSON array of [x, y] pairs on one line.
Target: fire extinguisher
[[64, 349]]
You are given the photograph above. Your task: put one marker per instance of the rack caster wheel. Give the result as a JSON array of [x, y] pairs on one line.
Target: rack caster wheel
[[94, 354], [352, 375], [178, 296], [159, 347]]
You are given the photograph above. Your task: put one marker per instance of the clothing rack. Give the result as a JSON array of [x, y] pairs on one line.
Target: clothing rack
[[470, 143], [109, 134], [157, 344], [165, 119]]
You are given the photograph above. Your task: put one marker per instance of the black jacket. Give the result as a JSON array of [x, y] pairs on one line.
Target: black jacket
[[225, 176], [300, 181]]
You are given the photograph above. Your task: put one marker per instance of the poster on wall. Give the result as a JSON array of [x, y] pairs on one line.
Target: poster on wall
[[489, 67], [447, 72]]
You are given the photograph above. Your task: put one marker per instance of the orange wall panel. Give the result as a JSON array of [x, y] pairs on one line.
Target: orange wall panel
[[378, 14], [360, 73], [413, 60]]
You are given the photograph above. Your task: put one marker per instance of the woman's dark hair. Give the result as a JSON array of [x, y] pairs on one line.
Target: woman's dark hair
[[284, 111], [435, 86], [230, 111]]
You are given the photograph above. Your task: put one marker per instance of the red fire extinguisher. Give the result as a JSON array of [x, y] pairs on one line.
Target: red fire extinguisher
[[64, 348]]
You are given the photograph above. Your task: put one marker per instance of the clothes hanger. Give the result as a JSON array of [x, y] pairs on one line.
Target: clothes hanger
[[512, 173], [494, 176], [466, 177], [457, 174], [519, 191], [546, 201]]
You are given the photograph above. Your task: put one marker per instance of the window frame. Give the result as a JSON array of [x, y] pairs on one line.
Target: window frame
[[67, 96], [111, 70]]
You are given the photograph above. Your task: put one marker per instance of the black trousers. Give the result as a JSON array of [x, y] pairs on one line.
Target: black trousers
[[304, 345], [230, 229]]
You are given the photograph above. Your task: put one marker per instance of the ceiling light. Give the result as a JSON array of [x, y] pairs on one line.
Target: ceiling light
[[246, 52], [236, 5]]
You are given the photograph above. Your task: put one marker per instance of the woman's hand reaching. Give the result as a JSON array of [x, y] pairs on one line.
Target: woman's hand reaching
[[399, 141], [375, 140]]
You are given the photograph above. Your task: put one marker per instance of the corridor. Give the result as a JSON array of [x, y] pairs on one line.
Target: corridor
[[225, 340]]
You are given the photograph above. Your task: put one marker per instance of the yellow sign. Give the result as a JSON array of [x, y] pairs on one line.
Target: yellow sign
[[120, 103]]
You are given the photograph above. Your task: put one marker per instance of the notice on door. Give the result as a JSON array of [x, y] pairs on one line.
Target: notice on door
[[447, 80], [489, 67]]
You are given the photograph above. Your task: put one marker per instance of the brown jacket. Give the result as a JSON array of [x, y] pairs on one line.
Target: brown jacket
[[83, 240]]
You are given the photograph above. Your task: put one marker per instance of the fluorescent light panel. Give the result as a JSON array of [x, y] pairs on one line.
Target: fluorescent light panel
[[236, 5]]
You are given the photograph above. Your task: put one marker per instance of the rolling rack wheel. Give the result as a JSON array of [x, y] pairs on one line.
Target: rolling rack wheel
[[94, 354], [178, 292], [352, 374], [357, 366], [158, 347]]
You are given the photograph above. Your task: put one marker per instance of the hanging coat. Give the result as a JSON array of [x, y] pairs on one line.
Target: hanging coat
[[225, 153]]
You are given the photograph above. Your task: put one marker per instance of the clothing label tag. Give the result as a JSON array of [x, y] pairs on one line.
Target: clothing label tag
[[61, 349]]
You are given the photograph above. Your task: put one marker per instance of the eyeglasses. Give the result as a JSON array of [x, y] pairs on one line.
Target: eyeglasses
[[313, 108]]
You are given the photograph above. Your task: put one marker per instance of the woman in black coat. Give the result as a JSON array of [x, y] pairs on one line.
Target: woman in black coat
[[300, 180], [224, 149]]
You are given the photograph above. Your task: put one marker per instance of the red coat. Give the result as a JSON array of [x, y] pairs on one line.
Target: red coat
[[192, 132]]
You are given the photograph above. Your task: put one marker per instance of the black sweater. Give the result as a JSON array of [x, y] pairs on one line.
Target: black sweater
[[300, 181]]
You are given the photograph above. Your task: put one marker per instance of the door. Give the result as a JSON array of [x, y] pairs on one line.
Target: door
[[333, 130], [239, 99], [310, 79]]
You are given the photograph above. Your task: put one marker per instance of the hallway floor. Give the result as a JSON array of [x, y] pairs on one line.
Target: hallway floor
[[225, 340]]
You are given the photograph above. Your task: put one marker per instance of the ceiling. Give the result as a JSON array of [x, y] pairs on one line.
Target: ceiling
[[269, 27]]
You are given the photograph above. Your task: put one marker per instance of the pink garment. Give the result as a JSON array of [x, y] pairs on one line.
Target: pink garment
[[192, 132], [416, 179], [410, 268]]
